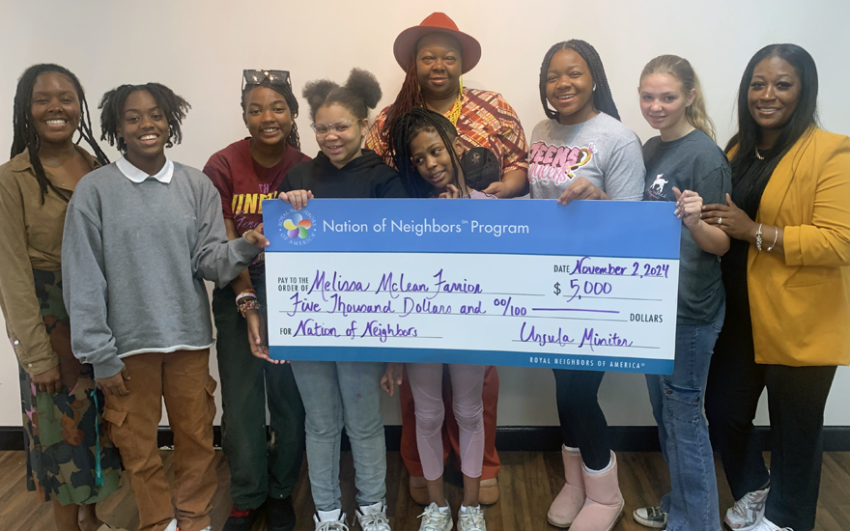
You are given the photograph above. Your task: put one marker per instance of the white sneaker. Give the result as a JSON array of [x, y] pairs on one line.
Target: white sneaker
[[747, 512], [330, 521], [767, 525], [373, 517], [433, 519], [471, 519], [172, 526], [652, 517]]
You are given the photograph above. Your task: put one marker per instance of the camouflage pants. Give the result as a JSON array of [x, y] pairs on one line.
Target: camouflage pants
[[59, 430]]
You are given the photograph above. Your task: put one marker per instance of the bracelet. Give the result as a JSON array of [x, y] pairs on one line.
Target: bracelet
[[775, 239], [248, 305], [248, 293], [758, 238]]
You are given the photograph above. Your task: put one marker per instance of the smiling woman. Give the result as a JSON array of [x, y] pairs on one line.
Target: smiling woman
[[788, 217], [141, 236], [337, 394], [607, 165], [435, 55], [245, 173], [141, 121], [61, 411]]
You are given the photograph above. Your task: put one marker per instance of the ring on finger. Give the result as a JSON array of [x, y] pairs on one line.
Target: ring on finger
[[720, 221]]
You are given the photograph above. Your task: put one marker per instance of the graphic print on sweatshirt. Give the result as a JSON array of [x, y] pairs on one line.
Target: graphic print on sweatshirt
[[557, 164], [661, 189], [247, 207]]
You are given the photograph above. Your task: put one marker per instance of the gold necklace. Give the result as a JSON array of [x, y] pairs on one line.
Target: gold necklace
[[454, 112]]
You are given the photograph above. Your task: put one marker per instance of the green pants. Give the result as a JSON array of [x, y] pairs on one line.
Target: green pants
[[260, 466]]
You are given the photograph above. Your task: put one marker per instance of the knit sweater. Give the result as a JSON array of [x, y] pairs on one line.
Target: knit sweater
[[135, 257]]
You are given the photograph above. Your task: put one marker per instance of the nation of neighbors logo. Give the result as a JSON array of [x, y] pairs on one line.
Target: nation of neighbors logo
[[297, 226]]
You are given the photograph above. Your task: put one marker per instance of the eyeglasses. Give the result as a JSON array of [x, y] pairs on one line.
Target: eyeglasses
[[274, 77], [338, 127]]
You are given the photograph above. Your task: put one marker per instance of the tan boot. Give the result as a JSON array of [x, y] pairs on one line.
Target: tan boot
[[488, 491], [570, 500], [604, 503]]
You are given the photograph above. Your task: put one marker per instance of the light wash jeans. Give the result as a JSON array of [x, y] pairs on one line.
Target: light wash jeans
[[337, 394], [677, 404]]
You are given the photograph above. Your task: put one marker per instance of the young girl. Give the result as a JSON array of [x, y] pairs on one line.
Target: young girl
[[337, 394], [603, 162], [65, 447], [684, 164], [141, 236], [426, 150], [245, 173]]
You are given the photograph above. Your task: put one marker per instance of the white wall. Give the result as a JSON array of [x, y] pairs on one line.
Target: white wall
[[200, 48]]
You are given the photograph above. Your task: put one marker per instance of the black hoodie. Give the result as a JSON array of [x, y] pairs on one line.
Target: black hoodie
[[364, 177]]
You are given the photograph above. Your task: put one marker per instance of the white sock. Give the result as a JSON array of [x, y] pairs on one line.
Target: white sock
[[464, 508], [329, 516], [571, 449], [445, 509], [608, 467], [370, 509]]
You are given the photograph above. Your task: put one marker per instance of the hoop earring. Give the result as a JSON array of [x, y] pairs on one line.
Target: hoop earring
[[594, 87]]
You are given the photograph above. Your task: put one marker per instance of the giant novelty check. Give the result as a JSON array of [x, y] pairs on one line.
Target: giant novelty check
[[591, 286]]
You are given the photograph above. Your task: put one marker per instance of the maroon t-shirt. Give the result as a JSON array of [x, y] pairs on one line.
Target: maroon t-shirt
[[243, 184]]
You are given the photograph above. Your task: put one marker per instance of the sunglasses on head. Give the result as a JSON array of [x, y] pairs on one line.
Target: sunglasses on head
[[274, 77]]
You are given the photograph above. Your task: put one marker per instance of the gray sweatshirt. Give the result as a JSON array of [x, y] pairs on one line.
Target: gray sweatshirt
[[134, 260]]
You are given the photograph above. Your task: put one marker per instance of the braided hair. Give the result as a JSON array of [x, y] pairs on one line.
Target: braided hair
[[602, 99], [286, 91], [402, 133], [25, 135], [112, 104], [409, 97]]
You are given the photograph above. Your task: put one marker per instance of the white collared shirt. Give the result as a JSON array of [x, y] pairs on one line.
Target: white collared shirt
[[138, 176]]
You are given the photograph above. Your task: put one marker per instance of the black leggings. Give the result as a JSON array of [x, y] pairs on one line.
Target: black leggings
[[583, 423], [796, 400]]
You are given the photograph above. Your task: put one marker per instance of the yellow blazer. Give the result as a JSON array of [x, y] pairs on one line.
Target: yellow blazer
[[800, 299]]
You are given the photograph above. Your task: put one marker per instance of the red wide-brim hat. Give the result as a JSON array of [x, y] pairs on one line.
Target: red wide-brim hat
[[405, 43]]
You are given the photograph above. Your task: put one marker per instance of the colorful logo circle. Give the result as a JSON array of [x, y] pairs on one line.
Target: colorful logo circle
[[297, 226]]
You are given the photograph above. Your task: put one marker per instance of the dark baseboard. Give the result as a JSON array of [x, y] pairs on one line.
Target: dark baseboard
[[515, 438]]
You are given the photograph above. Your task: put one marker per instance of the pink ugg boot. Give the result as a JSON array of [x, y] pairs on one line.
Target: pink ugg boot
[[569, 501], [604, 503]]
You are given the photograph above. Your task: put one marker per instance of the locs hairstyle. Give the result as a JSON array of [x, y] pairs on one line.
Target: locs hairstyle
[[409, 97], [293, 139], [749, 132], [360, 93], [602, 98], [112, 109], [404, 130], [24, 133]]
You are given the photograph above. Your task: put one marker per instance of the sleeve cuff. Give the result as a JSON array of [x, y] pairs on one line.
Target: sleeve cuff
[[792, 244], [244, 250], [39, 366], [108, 368]]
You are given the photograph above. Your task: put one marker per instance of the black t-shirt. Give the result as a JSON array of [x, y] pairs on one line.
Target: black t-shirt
[[746, 195], [693, 162]]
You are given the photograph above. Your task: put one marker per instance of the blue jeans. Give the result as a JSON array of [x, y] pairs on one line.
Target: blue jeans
[[677, 404], [337, 394]]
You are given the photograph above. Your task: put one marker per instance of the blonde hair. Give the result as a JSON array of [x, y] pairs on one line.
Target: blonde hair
[[682, 70]]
